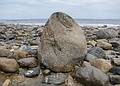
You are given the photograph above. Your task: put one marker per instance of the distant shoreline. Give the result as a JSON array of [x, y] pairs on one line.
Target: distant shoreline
[[40, 24], [93, 22]]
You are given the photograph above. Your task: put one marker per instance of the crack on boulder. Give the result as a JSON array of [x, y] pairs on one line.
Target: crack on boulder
[[50, 39]]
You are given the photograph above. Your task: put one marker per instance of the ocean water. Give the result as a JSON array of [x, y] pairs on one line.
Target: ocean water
[[80, 21]]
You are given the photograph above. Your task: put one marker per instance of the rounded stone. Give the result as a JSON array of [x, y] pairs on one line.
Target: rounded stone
[[33, 72], [101, 64], [8, 65]]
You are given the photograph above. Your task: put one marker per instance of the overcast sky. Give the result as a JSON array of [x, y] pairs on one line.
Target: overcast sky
[[36, 9]]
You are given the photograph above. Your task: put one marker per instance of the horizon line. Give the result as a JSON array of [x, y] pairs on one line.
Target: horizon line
[[73, 18]]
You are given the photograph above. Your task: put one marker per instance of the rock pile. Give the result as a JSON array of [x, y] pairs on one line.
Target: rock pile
[[60, 53]]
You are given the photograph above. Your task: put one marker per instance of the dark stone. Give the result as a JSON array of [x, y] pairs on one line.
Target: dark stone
[[117, 49], [91, 76], [115, 70], [106, 33], [33, 72], [98, 52], [90, 57], [115, 42]]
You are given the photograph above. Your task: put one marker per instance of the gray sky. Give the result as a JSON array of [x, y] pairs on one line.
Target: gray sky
[[35, 9]]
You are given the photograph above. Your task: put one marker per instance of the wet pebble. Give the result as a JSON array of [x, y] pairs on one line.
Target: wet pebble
[[33, 72], [56, 79]]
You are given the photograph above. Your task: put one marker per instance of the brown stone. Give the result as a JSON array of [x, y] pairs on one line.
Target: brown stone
[[8, 65], [101, 64], [20, 54], [104, 45], [7, 82]]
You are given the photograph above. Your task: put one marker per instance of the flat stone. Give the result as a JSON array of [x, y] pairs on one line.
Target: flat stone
[[58, 78], [104, 45], [106, 33], [28, 62]]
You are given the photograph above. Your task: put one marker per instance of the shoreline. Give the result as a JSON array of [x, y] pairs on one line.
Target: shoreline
[[81, 24]]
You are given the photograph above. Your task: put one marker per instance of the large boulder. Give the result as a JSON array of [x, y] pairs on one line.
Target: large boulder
[[62, 43]]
